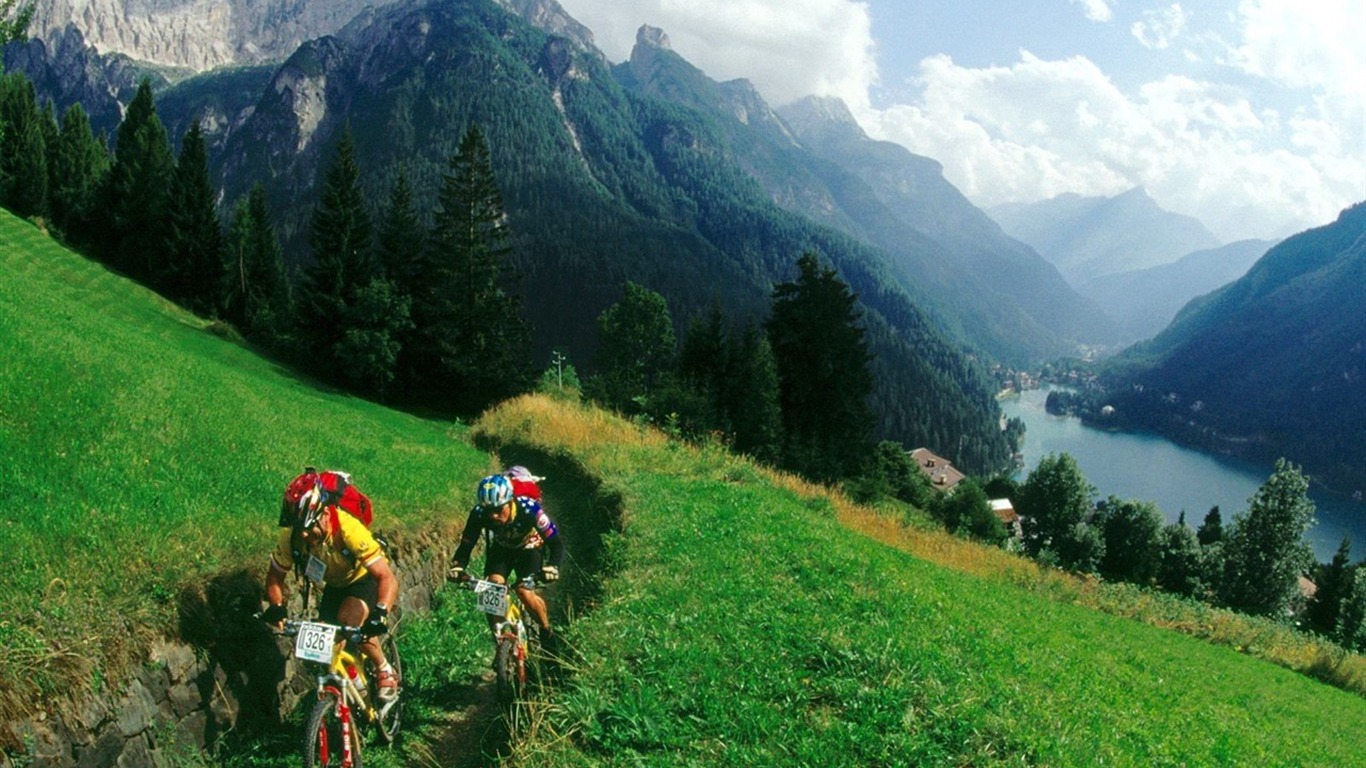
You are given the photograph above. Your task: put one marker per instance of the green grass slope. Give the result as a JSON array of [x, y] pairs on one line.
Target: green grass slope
[[144, 454], [740, 618], [743, 622]]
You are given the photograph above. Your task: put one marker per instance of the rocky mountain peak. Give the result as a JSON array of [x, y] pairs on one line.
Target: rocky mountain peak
[[818, 119], [550, 17], [196, 35], [652, 37]]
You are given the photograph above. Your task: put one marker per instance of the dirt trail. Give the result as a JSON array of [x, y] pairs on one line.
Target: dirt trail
[[470, 731]]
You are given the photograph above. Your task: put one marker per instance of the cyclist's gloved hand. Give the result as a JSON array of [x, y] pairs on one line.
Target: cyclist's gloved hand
[[457, 573], [376, 625], [274, 615], [550, 573]]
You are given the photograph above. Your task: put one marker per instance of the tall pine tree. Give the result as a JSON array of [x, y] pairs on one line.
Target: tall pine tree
[[78, 169], [402, 237], [1333, 584], [132, 208], [469, 322], [376, 323], [823, 373], [193, 272], [23, 149], [256, 292], [752, 398], [344, 264], [703, 369]]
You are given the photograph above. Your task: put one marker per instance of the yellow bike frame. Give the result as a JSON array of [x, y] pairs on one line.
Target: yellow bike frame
[[341, 682]]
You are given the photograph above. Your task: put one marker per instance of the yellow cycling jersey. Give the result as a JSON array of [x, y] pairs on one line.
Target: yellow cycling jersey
[[341, 557]]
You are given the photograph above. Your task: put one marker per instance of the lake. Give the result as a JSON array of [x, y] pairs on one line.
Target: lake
[[1150, 468]]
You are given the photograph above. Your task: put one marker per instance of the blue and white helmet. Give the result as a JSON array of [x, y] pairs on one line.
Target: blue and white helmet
[[494, 491]]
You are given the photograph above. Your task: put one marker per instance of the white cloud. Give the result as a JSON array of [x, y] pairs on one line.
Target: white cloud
[[1039, 128], [1011, 133], [788, 49], [1096, 10], [1304, 45], [1314, 48], [1160, 27]]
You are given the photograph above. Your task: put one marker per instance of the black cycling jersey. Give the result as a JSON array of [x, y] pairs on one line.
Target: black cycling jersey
[[528, 528]]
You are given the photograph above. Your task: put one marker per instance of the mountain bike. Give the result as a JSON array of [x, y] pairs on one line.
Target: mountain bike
[[516, 646], [345, 692]]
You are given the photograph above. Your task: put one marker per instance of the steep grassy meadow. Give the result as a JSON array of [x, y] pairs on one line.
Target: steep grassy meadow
[[739, 616], [144, 454], [745, 621]]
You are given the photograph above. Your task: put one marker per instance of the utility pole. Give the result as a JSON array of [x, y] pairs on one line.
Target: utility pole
[[557, 359]]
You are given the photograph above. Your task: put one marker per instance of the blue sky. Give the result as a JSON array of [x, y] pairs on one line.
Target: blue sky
[[1247, 114]]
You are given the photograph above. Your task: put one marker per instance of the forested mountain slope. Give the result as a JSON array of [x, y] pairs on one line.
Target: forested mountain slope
[[1271, 365], [1005, 296], [812, 159], [601, 185]]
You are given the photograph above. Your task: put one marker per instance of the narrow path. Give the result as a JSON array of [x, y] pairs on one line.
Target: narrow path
[[470, 731]]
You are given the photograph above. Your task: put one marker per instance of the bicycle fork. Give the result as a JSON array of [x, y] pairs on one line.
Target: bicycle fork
[[340, 693]]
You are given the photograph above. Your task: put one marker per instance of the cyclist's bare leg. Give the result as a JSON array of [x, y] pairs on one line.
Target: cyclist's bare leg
[[352, 612], [536, 604]]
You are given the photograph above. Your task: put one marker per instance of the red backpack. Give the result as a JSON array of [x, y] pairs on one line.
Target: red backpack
[[523, 482], [337, 490]]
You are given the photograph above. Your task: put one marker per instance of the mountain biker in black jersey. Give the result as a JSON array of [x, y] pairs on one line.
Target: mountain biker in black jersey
[[518, 533]]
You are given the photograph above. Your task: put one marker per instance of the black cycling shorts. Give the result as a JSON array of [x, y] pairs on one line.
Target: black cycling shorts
[[523, 562], [366, 589]]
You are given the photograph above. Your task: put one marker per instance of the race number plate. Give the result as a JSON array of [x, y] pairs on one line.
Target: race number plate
[[314, 642], [315, 570], [491, 598]]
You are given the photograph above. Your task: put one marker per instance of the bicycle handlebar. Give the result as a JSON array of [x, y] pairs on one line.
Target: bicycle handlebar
[[469, 582], [352, 635]]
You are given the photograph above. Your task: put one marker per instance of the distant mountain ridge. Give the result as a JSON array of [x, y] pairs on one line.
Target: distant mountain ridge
[[1271, 365], [1145, 301], [1091, 237]]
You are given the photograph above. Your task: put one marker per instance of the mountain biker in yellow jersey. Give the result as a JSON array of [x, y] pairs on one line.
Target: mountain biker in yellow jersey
[[335, 551], [518, 533]]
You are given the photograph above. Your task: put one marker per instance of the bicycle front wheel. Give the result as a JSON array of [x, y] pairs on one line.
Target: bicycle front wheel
[[324, 743], [508, 668], [390, 712]]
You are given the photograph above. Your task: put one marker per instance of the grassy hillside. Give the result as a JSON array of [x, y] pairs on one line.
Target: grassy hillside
[[740, 617], [143, 454], [752, 620]]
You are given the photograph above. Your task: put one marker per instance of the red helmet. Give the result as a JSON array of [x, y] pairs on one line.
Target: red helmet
[[290, 504]]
